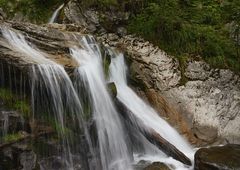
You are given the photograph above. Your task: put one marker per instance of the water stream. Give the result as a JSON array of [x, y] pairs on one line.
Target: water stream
[[53, 94], [80, 106], [55, 14], [113, 148], [150, 118]]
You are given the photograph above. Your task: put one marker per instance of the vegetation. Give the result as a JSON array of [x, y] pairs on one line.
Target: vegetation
[[186, 29], [37, 11], [183, 28], [11, 137], [15, 102], [192, 28]]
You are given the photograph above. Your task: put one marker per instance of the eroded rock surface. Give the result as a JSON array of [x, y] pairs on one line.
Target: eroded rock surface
[[197, 99], [210, 98]]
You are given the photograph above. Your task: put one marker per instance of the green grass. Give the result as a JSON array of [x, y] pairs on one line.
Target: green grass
[[13, 101], [192, 28], [11, 137]]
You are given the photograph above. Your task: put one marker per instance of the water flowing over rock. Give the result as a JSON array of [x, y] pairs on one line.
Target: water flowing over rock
[[196, 97], [209, 98], [113, 147], [64, 76]]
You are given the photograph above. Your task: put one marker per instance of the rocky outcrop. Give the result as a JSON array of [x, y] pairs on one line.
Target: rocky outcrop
[[195, 99], [95, 19], [54, 41], [209, 100], [218, 158]]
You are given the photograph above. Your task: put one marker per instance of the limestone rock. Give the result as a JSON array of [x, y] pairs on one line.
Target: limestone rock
[[210, 97]]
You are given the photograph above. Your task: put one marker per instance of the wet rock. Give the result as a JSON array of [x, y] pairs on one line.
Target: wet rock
[[209, 98], [57, 162], [157, 166], [112, 89], [141, 165], [218, 158], [28, 160], [19, 156], [10, 121]]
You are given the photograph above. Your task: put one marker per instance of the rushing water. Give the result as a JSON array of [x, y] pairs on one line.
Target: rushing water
[[113, 148], [56, 98], [144, 112], [55, 14], [53, 94]]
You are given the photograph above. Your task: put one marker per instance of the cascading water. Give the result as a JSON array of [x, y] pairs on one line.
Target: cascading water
[[112, 143], [144, 112], [52, 92], [55, 14], [55, 97]]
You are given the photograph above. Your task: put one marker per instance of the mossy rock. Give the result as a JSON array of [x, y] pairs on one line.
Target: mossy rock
[[157, 166], [13, 101], [218, 158], [112, 89]]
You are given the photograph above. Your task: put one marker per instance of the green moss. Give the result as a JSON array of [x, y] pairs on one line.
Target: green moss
[[23, 107], [183, 60], [13, 101], [87, 111], [106, 56], [6, 95], [112, 89], [11, 137], [62, 130]]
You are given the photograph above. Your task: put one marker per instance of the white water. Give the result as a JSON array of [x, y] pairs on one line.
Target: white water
[[62, 98], [52, 90], [18, 43], [113, 148], [145, 113], [55, 14]]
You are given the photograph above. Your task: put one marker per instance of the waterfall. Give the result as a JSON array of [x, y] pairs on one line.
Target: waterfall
[[53, 94], [83, 106], [55, 14], [111, 135], [118, 74]]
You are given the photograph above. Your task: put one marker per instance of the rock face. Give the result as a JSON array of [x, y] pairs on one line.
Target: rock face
[[218, 158], [10, 122], [209, 100]]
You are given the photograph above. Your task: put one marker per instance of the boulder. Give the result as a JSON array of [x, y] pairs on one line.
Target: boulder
[[157, 166], [218, 158]]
